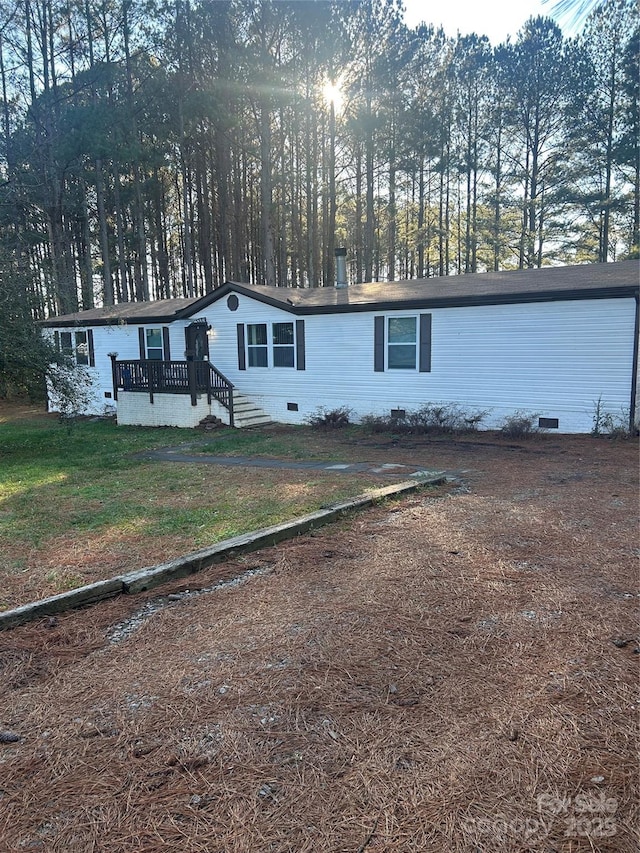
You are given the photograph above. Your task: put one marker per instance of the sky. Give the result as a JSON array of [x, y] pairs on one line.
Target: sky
[[496, 19]]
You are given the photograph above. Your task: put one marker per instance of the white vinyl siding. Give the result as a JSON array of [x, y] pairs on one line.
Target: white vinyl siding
[[555, 359], [552, 358]]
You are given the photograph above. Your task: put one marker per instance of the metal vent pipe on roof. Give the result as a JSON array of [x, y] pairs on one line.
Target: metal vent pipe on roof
[[341, 268]]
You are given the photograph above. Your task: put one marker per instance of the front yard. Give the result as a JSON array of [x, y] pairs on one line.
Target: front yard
[[457, 671], [79, 505]]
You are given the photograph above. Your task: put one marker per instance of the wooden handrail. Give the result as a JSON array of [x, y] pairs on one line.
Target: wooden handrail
[[221, 388], [174, 377]]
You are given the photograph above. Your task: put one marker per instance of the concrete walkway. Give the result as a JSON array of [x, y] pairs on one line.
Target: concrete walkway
[[176, 454]]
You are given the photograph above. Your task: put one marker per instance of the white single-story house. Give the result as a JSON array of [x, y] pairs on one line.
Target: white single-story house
[[551, 341]]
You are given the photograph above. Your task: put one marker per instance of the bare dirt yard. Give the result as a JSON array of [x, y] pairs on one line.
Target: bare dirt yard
[[457, 671]]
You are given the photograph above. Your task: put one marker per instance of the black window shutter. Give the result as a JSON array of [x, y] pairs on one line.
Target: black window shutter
[[300, 353], [165, 343], [425, 343], [92, 355], [56, 339], [378, 344], [242, 361], [143, 353]]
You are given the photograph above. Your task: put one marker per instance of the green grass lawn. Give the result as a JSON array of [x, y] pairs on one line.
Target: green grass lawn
[[71, 499]]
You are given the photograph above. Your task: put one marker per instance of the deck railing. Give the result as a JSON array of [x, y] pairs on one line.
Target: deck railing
[[173, 377]]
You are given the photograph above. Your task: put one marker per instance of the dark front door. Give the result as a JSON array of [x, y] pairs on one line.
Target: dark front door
[[197, 342]]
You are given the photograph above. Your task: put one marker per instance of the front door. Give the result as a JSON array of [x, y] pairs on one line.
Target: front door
[[197, 341]]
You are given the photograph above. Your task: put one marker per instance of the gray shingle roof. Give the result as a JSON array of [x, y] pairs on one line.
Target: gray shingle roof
[[586, 281], [124, 312]]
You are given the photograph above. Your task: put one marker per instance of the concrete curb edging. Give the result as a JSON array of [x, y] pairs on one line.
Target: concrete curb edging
[[152, 576]]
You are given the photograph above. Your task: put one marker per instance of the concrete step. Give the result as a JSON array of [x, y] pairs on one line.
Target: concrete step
[[247, 414], [243, 405], [252, 421]]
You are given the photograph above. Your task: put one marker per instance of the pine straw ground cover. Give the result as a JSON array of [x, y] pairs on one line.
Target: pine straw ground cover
[[452, 672]]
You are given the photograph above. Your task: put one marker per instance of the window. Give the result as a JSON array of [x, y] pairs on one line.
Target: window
[[402, 343], [82, 348], [66, 343], [76, 345], [154, 344], [257, 344], [271, 345], [283, 348], [402, 340]]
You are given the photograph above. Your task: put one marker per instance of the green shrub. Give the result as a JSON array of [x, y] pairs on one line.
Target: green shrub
[[329, 419], [610, 424], [520, 425], [378, 423], [432, 418]]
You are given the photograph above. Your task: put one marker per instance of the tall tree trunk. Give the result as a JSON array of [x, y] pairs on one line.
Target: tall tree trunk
[[107, 281], [497, 210], [164, 286], [392, 214], [123, 267], [522, 255], [358, 215], [420, 220], [603, 254], [142, 273], [370, 224], [532, 224], [226, 267], [266, 196], [87, 267], [184, 196], [205, 237], [540, 224], [330, 274], [284, 218]]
